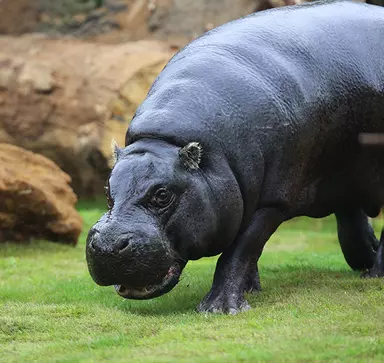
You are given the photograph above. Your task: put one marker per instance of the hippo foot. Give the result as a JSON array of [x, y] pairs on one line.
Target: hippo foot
[[373, 272], [223, 303]]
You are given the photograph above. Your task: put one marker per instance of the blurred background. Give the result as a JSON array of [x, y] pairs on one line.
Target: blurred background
[[72, 73]]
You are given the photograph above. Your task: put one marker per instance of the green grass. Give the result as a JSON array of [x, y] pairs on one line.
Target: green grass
[[312, 308]]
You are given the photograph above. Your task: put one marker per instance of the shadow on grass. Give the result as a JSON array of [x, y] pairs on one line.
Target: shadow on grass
[[279, 281], [290, 280], [278, 285]]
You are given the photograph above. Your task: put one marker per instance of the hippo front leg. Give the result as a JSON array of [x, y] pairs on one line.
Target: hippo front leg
[[236, 270]]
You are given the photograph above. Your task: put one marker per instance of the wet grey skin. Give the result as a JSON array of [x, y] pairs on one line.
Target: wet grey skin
[[252, 124]]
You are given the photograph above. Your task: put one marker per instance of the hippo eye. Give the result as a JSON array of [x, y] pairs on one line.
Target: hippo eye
[[162, 198]]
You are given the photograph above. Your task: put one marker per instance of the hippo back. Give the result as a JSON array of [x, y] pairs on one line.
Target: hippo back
[[267, 68]]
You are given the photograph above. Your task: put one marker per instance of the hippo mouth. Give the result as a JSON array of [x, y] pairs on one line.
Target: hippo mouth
[[169, 281]]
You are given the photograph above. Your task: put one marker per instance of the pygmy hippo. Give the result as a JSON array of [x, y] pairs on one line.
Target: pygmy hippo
[[250, 125]]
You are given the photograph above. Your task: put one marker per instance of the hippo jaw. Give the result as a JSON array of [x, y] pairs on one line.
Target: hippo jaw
[[169, 281]]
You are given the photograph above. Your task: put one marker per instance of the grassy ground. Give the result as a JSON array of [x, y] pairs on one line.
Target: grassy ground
[[312, 308]]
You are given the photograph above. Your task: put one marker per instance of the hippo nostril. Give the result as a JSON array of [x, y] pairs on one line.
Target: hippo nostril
[[122, 244], [91, 245], [92, 236], [93, 232]]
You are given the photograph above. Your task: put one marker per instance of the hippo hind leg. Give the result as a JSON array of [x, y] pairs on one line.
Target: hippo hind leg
[[378, 267], [357, 239], [253, 281]]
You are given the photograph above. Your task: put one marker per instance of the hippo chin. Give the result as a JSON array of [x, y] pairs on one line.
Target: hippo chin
[[169, 281], [253, 124]]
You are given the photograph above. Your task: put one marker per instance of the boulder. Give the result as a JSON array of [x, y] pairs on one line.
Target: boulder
[[69, 107], [36, 200]]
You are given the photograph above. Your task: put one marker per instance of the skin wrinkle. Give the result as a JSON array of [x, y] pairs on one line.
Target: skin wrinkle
[[262, 79]]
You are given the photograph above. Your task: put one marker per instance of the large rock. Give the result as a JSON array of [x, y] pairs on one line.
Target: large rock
[[36, 200], [67, 99]]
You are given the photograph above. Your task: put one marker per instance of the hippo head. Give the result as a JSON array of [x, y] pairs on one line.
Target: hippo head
[[161, 214]]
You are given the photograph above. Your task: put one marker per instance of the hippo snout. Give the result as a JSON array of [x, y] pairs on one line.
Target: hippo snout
[[120, 245], [140, 264]]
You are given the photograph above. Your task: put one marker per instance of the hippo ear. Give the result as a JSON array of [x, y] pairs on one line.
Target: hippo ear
[[116, 151], [190, 155]]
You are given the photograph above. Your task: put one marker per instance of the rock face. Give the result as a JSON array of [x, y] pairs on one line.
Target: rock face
[[36, 200], [69, 107], [115, 21]]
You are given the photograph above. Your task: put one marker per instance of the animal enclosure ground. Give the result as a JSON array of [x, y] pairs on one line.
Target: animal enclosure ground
[[312, 308]]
